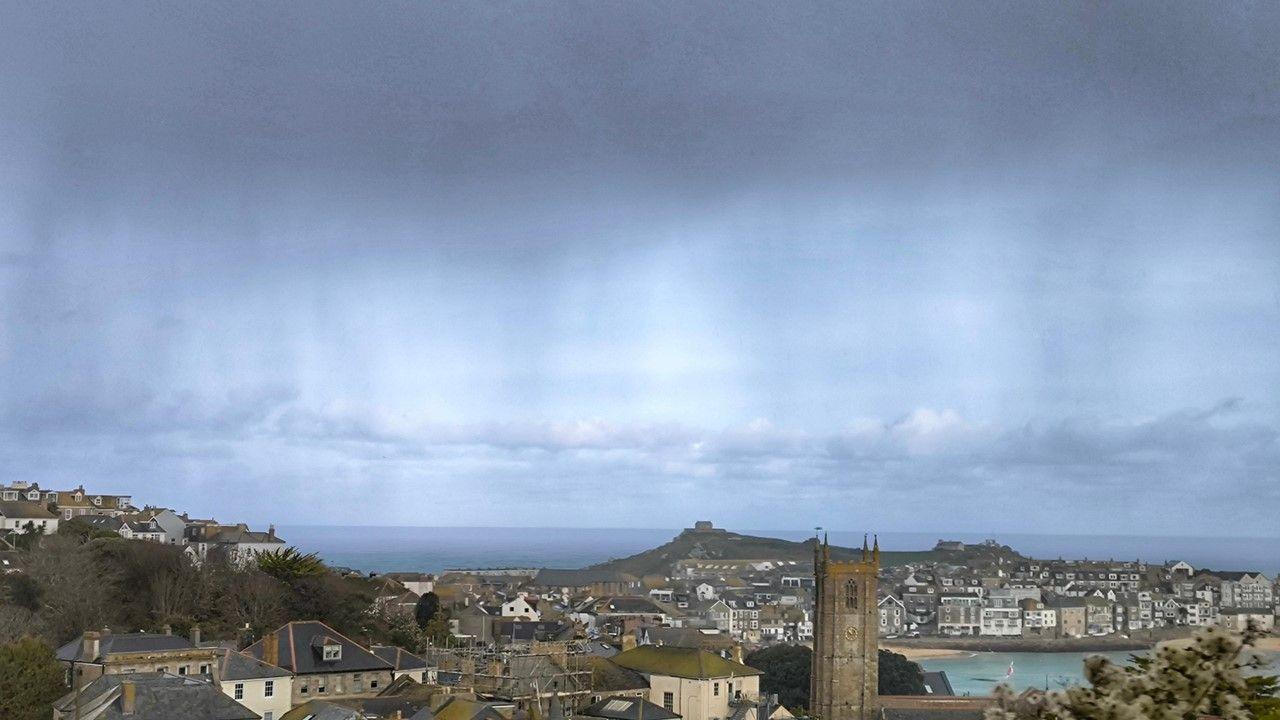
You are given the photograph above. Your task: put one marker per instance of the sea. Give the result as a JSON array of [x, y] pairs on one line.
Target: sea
[[376, 549], [979, 673], [371, 548]]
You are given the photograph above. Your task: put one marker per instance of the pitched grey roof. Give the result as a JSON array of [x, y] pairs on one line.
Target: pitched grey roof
[[123, 643], [25, 510], [550, 577], [301, 650], [399, 658], [159, 696], [321, 710], [238, 666], [628, 708]]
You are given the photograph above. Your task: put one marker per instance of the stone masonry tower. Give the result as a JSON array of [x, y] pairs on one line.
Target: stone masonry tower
[[845, 673]]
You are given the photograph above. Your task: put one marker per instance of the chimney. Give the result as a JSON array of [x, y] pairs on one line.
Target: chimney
[[168, 629], [195, 636], [628, 641], [271, 531], [90, 645], [128, 698], [271, 649], [736, 654]]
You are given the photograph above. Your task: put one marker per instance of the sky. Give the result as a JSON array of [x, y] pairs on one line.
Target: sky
[[901, 266]]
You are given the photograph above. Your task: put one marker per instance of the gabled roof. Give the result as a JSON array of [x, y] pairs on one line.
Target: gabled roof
[[25, 510], [628, 708], [158, 696], [457, 708], [123, 643], [682, 662], [239, 666], [399, 658], [549, 577], [301, 650], [321, 710]]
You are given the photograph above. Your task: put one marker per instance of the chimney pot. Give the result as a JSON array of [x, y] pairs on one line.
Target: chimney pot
[[128, 698], [195, 635]]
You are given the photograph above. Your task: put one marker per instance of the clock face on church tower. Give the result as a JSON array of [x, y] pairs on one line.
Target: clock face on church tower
[[851, 633]]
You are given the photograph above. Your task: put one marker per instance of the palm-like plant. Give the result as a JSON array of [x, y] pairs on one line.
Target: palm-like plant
[[289, 564]]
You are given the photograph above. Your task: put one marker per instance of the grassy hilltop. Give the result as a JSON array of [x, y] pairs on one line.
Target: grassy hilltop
[[724, 545]]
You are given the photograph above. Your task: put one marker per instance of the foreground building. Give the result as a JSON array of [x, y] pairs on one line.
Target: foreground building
[[325, 664], [696, 684], [149, 696]]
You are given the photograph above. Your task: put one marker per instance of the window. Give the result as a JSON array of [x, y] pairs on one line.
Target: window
[[204, 669], [850, 595], [269, 688], [373, 682], [304, 688], [669, 701], [239, 691], [332, 652], [320, 688], [268, 715], [182, 670], [715, 689]]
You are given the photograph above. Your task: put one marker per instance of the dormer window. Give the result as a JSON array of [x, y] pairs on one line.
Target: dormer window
[[79, 497], [332, 652], [10, 494], [33, 495], [97, 500]]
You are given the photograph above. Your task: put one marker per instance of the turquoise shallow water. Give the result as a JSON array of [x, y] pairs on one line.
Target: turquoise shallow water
[[979, 673]]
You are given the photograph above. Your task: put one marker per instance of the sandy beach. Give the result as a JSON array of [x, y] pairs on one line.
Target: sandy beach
[[1269, 644], [922, 653]]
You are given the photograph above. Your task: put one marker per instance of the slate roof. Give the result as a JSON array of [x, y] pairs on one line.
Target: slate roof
[[238, 666], [936, 682], [300, 652], [550, 577], [399, 658], [682, 662], [628, 708], [123, 643], [511, 630], [457, 708], [25, 510], [609, 677], [321, 710], [159, 696]]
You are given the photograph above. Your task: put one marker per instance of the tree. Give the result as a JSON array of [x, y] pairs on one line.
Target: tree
[[290, 564], [438, 631], [787, 669], [30, 680], [426, 609], [900, 676], [1206, 677], [786, 673]]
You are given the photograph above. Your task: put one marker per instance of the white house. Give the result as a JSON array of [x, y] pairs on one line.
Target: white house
[[695, 684], [21, 515], [520, 607], [264, 689]]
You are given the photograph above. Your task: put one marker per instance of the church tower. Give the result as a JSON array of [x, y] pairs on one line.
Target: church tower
[[845, 675]]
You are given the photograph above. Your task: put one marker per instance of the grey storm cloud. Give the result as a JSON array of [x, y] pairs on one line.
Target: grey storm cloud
[[931, 264]]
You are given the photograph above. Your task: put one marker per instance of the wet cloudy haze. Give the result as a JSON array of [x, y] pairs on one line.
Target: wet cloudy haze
[[968, 267]]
